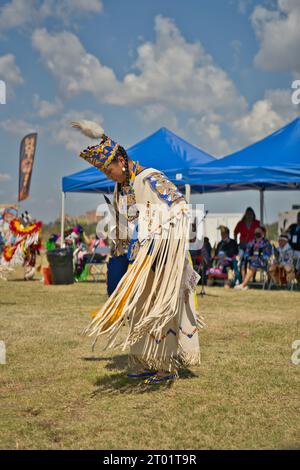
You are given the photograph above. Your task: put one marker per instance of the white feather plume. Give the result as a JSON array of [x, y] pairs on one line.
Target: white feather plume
[[89, 128]]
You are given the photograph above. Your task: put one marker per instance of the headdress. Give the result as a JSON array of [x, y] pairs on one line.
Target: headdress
[[283, 236], [102, 154]]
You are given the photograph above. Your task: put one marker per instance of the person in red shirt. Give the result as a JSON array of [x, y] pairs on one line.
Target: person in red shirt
[[245, 228]]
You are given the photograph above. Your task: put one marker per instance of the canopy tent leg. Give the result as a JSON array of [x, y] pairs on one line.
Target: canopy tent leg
[[262, 203], [62, 222], [188, 193]]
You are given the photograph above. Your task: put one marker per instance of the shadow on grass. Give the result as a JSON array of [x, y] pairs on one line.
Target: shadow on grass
[[120, 383], [119, 362], [8, 303]]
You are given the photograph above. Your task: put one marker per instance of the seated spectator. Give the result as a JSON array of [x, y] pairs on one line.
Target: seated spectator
[[256, 256], [97, 249], [226, 253], [51, 243], [200, 252], [283, 262]]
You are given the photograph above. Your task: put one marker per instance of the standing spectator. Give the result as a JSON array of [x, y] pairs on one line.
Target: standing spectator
[[294, 241], [245, 228], [256, 255], [206, 250], [284, 261], [200, 251]]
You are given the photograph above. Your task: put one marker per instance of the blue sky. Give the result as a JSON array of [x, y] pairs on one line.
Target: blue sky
[[216, 72]]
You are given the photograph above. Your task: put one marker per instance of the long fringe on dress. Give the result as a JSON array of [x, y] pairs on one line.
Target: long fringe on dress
[[166, 255]]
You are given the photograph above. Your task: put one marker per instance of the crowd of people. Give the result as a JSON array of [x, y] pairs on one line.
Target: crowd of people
[[21, 244], [250, 253], [244, 256], [84, 248]]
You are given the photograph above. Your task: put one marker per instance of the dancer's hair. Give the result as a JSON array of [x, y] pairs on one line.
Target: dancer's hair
[[122, 153]]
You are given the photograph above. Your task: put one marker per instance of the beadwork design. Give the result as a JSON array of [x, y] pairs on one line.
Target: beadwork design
[[100, 155], [133, 250], [171, 331], [166, 190]]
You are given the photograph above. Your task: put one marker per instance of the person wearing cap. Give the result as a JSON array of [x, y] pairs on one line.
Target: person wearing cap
[[256, 256], [226, 253], [284, 261], [155, 298]]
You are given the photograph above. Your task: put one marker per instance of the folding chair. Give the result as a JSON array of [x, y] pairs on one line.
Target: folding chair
[[215, 276], [97, 265], [263, 274]]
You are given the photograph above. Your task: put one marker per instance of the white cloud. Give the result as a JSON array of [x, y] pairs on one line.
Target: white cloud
[[266, 115], [259, 121], [160, 116], [170, 72], [236, 46], [65, 8], [75, 70], [243, 5], [16, 13], [5, 177], [45, 108], [171, 78], [18, 127], [282, 103], [279, 35], [179, 75], [59, 130], [208, 129], [10, 72], [70, 138]]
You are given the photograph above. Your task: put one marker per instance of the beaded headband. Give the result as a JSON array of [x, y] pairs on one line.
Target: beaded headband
[[102, 154]]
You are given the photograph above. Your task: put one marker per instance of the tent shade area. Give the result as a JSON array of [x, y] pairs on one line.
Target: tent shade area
[[163, 150], [272, 163]]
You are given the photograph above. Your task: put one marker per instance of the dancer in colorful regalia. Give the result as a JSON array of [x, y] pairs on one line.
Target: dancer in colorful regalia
[[156, 296], [21, 247]]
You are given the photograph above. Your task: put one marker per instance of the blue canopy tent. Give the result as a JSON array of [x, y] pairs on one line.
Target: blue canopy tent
[[163, 150], [272, 163]]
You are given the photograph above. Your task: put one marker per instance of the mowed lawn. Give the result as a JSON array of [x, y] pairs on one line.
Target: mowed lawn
[[56, 394]]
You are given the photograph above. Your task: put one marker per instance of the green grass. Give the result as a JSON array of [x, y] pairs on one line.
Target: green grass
[[56, 394]]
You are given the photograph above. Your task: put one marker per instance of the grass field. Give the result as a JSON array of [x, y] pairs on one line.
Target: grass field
[[56, 394]]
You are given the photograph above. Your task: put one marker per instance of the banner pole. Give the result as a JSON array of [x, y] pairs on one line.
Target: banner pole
[[261, 203], [62, 222], [188, 193]]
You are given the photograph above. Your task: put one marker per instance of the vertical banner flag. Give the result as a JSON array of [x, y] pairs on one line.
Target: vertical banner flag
[[27, 151]]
